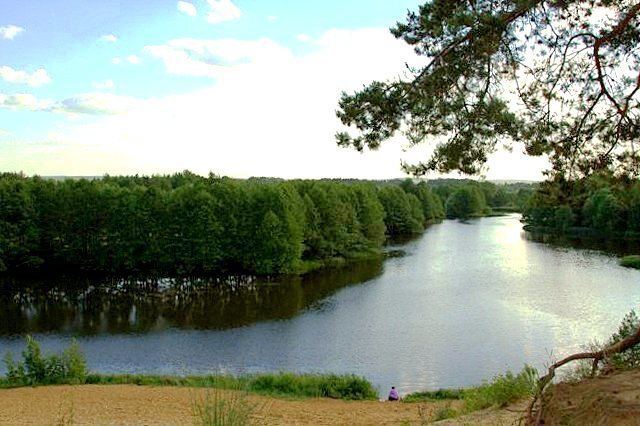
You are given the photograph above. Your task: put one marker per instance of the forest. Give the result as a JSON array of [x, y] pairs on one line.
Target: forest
[[601, 205], [189, 224]]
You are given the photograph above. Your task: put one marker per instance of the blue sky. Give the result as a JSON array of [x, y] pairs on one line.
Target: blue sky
[[236, 87]]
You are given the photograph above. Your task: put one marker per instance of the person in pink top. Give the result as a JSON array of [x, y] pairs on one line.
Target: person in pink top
[[393, 395]]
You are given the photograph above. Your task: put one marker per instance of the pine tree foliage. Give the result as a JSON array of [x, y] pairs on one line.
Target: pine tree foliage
[[561, 76]]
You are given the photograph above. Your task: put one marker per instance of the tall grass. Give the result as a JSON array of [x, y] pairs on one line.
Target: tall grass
[[501, 391], [277, 384], [218, 409]]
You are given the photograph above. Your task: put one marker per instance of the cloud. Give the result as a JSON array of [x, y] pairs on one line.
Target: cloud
[[222, 10], [4, 133], [272, 18], [37, 78], [95, 104], [212, 58], [109, 38], [303, 38], [187, 8], [23, 101], [10, 31], [104, 85], [268, 113], [83, 104], [132, 59]]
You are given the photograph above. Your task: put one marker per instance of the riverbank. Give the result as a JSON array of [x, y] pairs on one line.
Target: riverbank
[[150, 405], [163, 405]]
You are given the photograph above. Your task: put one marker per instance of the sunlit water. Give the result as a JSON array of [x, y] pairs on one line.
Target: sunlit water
[[469, 301]]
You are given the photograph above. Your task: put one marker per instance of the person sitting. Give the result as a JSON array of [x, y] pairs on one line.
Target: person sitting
[[393, 395]]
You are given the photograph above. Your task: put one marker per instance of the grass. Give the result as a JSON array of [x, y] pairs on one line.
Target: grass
[[501, 391], [632, 261], [287, 385], [216, 409], [281, 385], [440, 394]]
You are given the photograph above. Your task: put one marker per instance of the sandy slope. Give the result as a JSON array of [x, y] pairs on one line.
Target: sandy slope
[[168, 405]]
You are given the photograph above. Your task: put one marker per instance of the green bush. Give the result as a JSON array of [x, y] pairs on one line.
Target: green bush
[[632, 261], [631, 357], [314, 385], [217, 409], [440, 394], [503, 390], [38, 369]]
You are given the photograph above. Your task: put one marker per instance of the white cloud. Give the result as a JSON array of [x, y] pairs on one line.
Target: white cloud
[[10, 31], [104, 85], [4, 133], [109, 38], [35, 79], [222, 10], [23, 101], [303, 38], [133, 59], [83, 104], [116, 61], [212, 58], [267, 113], [187, 8], [272, 18], [95, 104]]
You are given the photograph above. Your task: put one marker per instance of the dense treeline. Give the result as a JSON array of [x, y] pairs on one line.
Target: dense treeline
[[602, 204], [189, 224]]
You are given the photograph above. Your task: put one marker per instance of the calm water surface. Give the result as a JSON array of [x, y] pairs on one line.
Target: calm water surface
[[470, 300]]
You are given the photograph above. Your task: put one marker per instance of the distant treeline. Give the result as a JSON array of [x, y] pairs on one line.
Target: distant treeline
[[188, 224], [600, 205]]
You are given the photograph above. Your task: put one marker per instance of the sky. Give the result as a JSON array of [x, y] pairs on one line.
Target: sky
[[238, 88]]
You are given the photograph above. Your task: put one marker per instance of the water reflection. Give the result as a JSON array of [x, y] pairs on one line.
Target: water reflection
[[93, 306]]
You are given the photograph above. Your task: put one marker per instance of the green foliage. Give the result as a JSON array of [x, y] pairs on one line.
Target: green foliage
[[631, 357], [503, 71], [466, 202], [503, 390], [631, 261], [603, 211], [440, 394], [222, 409], [603, 205], [38, 369], [403, 212], [278, 385], [445, 412], [311, 385]]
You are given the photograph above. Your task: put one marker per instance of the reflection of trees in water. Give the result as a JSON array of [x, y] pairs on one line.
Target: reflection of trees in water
[[615, 246], [139, 305]]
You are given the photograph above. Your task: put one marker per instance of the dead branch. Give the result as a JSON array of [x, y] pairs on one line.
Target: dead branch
[[598, 356]]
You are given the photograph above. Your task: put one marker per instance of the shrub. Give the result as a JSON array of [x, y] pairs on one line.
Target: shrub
[[36, 369], [632, 261], [440, 394], [216, 409], [631, 357], [312, 385], [502, 391]]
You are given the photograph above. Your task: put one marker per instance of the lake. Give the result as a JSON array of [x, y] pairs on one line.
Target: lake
[[467, 301]]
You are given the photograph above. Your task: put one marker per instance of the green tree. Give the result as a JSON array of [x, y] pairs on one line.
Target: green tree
[[466, 202], [571, 78], [403, 213], [603, 211]]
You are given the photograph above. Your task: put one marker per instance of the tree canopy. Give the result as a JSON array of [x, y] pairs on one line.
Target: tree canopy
[[561, 76]]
